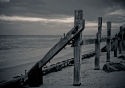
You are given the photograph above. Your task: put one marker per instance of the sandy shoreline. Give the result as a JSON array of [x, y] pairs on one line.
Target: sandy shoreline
[[7, 73], [90, 78]]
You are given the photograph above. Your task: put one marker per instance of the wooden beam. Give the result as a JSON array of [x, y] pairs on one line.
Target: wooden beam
[[108, 40], [77, 51]]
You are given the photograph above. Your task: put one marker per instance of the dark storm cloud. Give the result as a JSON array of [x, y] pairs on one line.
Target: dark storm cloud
[[121, 3], [57, 8], [13, 12]]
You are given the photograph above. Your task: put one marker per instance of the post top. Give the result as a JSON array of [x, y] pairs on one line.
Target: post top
[[78, 14], [100, 18], [108, 25], [121, 27]]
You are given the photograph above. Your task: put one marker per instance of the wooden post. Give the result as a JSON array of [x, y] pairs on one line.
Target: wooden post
[[77, 51], [124, 39], [25, 72], [84, 41], [122, 33], [120, 40], [115, 46], [100, 26], [120, 46], [108, 40], [97, 52], [35, 77]]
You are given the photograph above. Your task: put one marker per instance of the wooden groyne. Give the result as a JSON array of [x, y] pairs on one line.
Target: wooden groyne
[[34, 77], [52, 68]]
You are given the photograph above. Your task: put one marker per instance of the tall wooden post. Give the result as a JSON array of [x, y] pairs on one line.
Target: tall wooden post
[[115, 46], [35, 77], [120, 40], [97, 52], [77, 51], [124, 39], [100, 26], [122, 32], [108, 40], [120, 46]]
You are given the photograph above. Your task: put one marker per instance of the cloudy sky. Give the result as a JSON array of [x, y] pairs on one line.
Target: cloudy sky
[[55, 17]]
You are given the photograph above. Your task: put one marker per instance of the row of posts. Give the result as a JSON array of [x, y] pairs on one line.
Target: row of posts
[[117, 43], [77, 51], [77, 48]]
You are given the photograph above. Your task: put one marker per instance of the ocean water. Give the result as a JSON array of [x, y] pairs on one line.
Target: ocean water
[[20, 52], [22, 49]]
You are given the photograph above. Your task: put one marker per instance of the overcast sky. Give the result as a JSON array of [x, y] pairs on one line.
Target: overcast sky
[[55, 17]]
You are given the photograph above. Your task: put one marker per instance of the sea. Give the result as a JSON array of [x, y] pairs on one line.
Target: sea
[[20, 50]]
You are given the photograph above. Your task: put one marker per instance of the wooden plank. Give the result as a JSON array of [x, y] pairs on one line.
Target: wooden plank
[[79, 26], [108, 40]]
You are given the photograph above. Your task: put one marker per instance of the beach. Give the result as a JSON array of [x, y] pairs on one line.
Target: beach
[[90, 78], [8, 73]]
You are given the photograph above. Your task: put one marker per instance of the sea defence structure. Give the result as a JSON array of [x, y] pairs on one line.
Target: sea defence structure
[[34, 77]]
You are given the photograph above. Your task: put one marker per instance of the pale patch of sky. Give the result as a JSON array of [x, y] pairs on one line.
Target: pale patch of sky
[[58, 21], [4, 0], [35, 19], [118, 12]]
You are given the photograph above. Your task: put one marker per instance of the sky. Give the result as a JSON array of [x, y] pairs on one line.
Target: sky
[[56, 17]]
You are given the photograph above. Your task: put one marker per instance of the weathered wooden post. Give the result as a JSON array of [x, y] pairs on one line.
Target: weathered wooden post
[[97, 52], [124, 39], [100, 26], [122, 33], [35, 77], [77, 51], [25, 71], [115, 46], [108, 40], [120, 40], [84, 41]]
